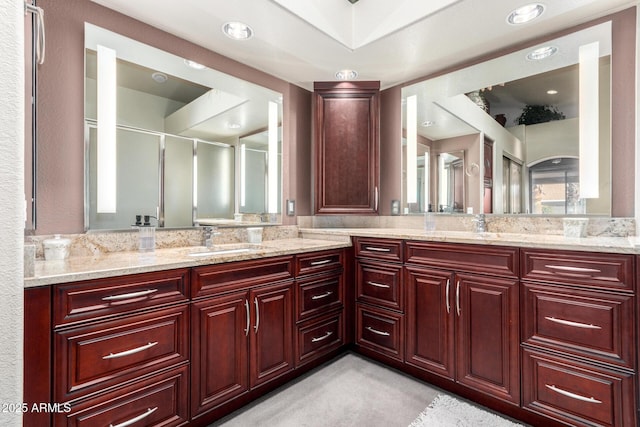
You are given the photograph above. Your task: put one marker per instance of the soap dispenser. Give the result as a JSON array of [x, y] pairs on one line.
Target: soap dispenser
[[146, 234]]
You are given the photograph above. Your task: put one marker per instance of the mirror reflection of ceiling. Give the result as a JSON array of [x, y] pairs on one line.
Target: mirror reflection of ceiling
[[301, 53], [137, 77], [216, 106], [532, 90], [510, 98], [508, 83]]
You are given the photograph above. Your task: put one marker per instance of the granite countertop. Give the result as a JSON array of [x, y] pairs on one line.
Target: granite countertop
[[111, 264], [626, 245], [78, 268]]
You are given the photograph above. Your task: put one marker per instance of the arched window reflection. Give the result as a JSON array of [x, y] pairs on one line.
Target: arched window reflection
[[555, 187]]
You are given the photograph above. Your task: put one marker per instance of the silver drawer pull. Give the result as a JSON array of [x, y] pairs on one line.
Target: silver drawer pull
[[323, 262], [130, 352], [574, 324], [136, 419], [571, 269], [447, 296], [458, 298], [326, 294], [374, 249], [255, 301], [322, 338], [378, 285], [375, 331], [246, 306], [130, 295], [572, 395]]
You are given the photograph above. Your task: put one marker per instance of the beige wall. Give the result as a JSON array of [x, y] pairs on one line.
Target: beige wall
[[60, 170], [390, 148], [297, 174]]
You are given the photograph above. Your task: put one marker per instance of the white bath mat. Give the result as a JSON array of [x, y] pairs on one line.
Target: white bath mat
[[447, 411]]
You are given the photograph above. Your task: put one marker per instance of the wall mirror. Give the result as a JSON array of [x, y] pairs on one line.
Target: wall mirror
[[525, 124], [173, 139]]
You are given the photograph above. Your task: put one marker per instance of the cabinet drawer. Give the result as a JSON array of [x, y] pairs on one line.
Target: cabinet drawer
[[384, 249], [95, 357], [318, 262], [380, 284], [606, 271], [591, 324], [319, 294], [319, 336], [99, 298], [227, 277], [380, 330], [493, 260], [577, 394], [157, 401]]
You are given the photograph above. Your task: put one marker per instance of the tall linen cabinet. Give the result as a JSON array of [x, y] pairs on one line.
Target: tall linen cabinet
[[346, 132]]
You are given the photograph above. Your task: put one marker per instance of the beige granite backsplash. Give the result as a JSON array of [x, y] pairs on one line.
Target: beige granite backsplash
[[519, 224], [95, 243]]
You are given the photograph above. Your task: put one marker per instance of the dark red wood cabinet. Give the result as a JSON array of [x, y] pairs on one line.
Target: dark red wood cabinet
[[380, 318], [254, 322], [547, 336], [346, 147], [120, 350], [431, 340], [320, 305], [220, 328], [579, 341], [462, 324], [242, 337]]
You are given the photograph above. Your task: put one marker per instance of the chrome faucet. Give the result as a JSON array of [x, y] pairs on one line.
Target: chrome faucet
[[481, 223], [209, 235]]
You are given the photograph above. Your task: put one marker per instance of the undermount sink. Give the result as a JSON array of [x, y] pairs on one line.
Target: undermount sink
[[222, 250]]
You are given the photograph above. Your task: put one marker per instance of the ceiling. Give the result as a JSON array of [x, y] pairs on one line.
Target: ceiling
[[302, 41]]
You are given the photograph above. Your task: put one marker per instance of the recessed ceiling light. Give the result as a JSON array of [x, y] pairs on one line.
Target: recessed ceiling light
[[428, 123], [194, 64], [346, 74], [525, 13], [542, 53], [159, 77], [552, 92], [233, 125], [237, 30]]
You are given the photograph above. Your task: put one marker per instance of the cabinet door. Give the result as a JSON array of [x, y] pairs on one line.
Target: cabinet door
[[346, 138], [430, 316], [219, 356], [272, 332], [487, 324]]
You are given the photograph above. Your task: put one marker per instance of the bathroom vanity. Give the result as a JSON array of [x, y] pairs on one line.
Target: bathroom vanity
[[540, 328], [184, 342], [526, 331]]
